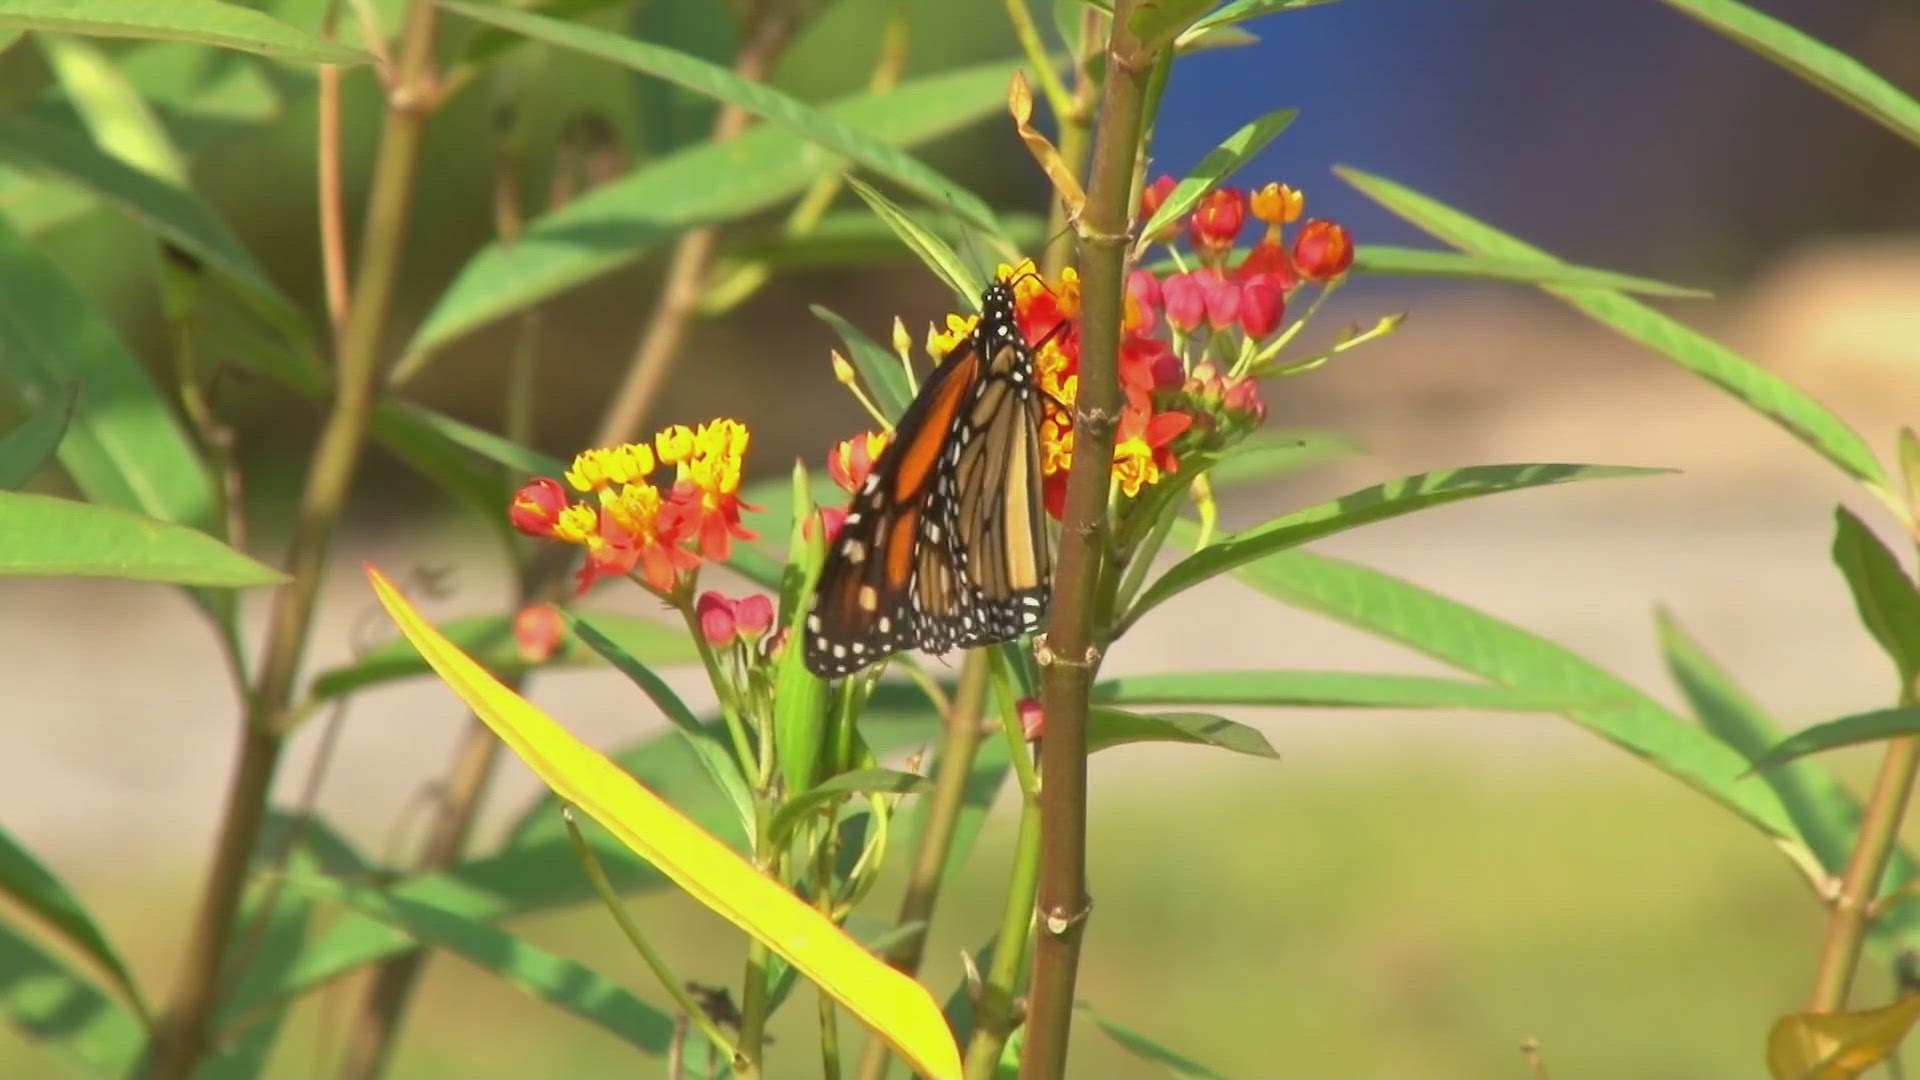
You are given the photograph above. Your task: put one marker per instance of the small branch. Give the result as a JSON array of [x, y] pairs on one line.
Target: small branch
[[1873, 844], [1055, 91], [996, 1007], [1070, 651], [1074, 141], [333, 226]]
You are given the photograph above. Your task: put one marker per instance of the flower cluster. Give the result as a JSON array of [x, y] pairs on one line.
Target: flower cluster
[[628, 524]]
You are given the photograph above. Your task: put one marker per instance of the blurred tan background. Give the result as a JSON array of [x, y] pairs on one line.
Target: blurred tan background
[[1400, 895]]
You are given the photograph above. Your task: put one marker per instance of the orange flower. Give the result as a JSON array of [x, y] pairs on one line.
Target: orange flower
[[706, 491], [849, 462]]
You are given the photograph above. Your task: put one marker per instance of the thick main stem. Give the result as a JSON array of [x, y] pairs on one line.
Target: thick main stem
[[1873, 845], [184, 1033], [1070, 651]]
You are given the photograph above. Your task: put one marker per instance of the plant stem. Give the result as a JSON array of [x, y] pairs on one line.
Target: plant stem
[[182, 1038], [1073, 144], [1070, 653], [994, 1013], [1879, 831], [960, 744]]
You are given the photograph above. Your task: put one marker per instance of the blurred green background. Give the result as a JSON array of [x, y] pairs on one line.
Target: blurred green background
[[1399, 896]]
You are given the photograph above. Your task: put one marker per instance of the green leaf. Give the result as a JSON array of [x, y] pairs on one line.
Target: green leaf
[[1325, 689], [44, 536], [1386, 261], [707, 184], [574, 987], [415, 436], [801, 702], [1107, 726], [1239, 11], [721, 768], [26, 449], [113, 111], [1815, 61], [1176, 1065], [880, 370], [858, 782], [202, 22], [857, 238], [925, 244], [1825, 814], [30, 884], [1268, 454], [758, 98], [47, 1000], [1846, 731], [495, 448], [1761, 390], [1889, 605], [1157, 22], [1219, 163], [1510, 656], [123, 447], [1363, 507], [489, 639], [174, 213]]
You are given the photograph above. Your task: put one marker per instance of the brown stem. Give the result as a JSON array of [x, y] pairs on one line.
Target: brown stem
[[961, 743], [381, 1011], [333, 229], [1879, 832], [183, 1036], [1069, 654]]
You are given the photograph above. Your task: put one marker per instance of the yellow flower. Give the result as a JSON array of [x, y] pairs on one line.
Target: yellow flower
[[1133, 465], [942, 342], [594, 470], [578, 524]]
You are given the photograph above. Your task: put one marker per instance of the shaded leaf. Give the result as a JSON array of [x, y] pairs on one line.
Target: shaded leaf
[[1158, 22], [1107, 726], [1218, 164], [925, 243], [897, 1008], [1325, 689], [29, 883], [1176, 1064], [202, 22], [44, 536], [1369, 505], [1510, 656], [880, 370], [1238, 11], [1838, 1046], [706, 184], [1267, 454], [1846, 731], [875, 781], [1885, 596], [26, 449], [1761, 390], [44, 998], [489, 639], [1815, 61]]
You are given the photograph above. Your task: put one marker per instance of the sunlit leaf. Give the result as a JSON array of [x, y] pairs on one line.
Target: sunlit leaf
[[1846, 731], [1157, 22], [858, 782], [1377, 503], [1175, 1064], [1838, 1046], [45, 536], [925, 243], [1218, 164], [1386, 261], [1885, 596], [897, 1008], [1325, 689], [1761, 390], [1238, 11], [1108, 726], [202, 22]]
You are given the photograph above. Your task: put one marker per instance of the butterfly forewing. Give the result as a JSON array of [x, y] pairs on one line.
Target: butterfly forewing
[[944, 546]]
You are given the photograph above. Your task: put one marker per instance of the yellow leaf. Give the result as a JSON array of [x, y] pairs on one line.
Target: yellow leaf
[[1837, 1046], [895, 1006], [1020, 104]]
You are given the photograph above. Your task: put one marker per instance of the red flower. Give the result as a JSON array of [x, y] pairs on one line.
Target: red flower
[[1143, 295], [1217, 219], [1243, 399], [1222, 297], [831, 517], [753, 614], [1323, 250], [849, 462], [717, 618], [1263, 304], [1186, 301], [1268, 257], [537, 507], [1152, 197], [538, 630], [1033, 719]]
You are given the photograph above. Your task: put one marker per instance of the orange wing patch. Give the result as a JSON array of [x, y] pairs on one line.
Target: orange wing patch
[[900, 547], [918, 458]]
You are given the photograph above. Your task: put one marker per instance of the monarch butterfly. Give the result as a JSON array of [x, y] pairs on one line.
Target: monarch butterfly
[[945, 545]]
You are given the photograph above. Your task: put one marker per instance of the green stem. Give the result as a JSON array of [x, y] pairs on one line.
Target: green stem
[[960, 745], [1028, 34], [994, 1013], [1879, 832], [1068, 654], [182, 1037], [754, 1003], [675, 988], [723, 688]]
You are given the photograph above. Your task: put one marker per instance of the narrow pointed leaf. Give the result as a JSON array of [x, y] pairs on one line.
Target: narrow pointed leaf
[[1108, 726], [925, 243], [897, 1008], [1510, 656], [556, 980], [1239, 11], [1386, 261], [706, 184], [489, 639], [1325, 689], [26, 449], [1377, 503], [1218, 164], [495, 448], [201, 22], [42, 997], [1158, 22], [1885, 596], [880, 371], [1846, 731], [1174, 1064], [44, 536], [857, 782], [1838, 1046], [115, 114], [28, 882], [758, 98], [1815, 61], [1266, 455], [1761, 390]]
